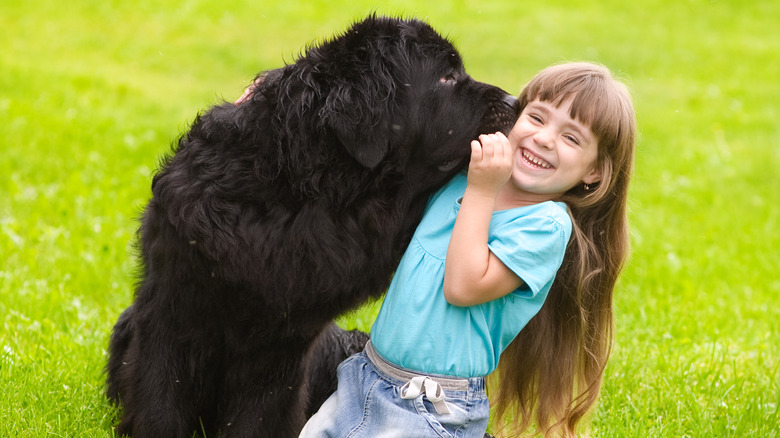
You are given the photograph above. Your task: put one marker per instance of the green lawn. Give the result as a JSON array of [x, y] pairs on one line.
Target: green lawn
[[93, 92]]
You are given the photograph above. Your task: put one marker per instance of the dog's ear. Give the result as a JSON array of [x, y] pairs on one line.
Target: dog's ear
[[358, 113]]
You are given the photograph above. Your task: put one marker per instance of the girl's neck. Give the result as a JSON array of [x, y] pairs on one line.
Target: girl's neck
[[509, 197]]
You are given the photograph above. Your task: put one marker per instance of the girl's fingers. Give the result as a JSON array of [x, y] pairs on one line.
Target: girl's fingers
[[476, 151], [487, 146], [507, 148], [491, 149], [501, 144], [500, 148]]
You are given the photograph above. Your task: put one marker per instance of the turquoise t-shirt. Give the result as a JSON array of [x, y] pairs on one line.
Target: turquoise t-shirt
[[418, 329]]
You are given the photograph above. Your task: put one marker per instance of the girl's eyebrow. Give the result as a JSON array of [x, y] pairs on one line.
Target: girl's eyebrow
[[580, 129], [537, 106]]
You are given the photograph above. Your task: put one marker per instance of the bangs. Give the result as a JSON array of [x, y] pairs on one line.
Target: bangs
[[597, 100]]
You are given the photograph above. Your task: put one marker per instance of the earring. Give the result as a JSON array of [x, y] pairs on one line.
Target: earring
[[587, 187]]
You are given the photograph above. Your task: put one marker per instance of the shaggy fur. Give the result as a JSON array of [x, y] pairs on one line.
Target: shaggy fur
[[276, 215]]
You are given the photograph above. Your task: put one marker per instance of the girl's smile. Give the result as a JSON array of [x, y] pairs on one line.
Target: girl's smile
[[532, 160]]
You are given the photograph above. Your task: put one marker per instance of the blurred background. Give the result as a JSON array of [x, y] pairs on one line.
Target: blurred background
[[92, 93]]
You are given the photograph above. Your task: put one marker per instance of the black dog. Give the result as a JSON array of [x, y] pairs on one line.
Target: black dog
[[276, 215]]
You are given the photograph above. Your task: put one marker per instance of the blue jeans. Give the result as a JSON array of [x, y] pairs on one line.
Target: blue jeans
[[369, 403]]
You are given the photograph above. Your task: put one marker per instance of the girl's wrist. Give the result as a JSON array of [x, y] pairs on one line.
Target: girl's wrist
[[486, 183], [479, 192]]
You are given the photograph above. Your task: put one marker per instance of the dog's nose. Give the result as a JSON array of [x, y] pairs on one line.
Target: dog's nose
[[510, 100]]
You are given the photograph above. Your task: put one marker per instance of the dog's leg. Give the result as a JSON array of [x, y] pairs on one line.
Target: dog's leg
[[117, 368], [167, 389], [265, 393], [162, 404], [332, 347]]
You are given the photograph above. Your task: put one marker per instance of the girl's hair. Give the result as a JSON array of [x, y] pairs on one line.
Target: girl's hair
[[551, 373]]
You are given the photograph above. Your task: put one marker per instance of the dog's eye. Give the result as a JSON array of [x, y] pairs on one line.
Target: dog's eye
[[449, 79]]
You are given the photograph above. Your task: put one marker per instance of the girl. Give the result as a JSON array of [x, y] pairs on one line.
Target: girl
[[516, 260]]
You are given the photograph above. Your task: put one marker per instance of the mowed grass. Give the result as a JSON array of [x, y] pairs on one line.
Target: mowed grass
[[92, 93]]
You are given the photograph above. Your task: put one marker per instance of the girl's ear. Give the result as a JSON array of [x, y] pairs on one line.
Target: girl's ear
[[593, 177]]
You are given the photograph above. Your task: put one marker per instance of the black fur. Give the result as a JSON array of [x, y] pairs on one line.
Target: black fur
[[276, 215]]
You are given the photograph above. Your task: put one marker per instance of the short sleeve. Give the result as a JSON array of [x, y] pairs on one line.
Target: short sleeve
[[533, 246]]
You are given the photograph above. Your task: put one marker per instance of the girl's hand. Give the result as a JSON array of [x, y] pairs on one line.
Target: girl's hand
[[491, 163]]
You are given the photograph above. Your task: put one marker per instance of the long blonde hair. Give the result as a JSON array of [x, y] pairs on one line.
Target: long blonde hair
[[550, 375]]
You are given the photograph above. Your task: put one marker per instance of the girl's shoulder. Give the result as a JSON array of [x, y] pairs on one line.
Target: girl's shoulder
[[456, 185], [451, 191], [556, 211], [550, 213]]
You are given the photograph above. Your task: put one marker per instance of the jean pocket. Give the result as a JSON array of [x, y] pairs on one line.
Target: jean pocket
[[426, 410]]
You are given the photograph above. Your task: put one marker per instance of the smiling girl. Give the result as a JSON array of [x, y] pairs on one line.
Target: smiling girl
[[512, 268]]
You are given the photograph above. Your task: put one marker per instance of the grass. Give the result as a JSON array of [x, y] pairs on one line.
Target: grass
[[92, 93]]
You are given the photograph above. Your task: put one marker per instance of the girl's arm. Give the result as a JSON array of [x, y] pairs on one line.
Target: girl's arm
[[472, 274]]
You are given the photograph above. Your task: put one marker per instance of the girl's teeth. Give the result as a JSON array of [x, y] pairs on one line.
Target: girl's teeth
[[536, 161]]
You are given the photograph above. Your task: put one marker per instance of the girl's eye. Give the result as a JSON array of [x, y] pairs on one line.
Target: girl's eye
[[536, 118], [572, 139]]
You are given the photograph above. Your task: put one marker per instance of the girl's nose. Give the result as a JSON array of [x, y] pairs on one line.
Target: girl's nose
[[544, 138]]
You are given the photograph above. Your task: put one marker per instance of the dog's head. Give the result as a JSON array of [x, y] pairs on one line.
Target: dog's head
[[393, 95]]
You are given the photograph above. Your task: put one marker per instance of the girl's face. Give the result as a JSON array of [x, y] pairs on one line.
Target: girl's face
[[554, 152]]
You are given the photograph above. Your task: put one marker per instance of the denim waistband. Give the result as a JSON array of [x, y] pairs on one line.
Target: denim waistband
[[448, 383]]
